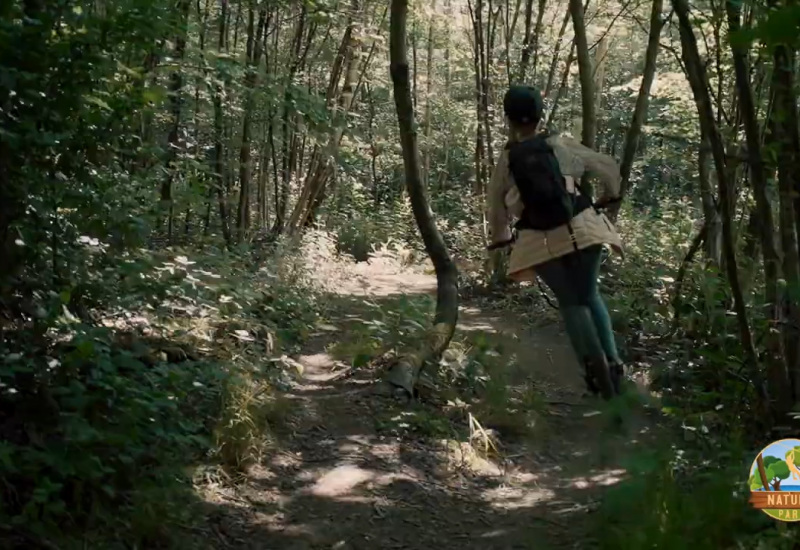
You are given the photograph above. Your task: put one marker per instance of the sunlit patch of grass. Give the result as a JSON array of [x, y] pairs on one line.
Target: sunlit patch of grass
[[357, 349], [249, 411]]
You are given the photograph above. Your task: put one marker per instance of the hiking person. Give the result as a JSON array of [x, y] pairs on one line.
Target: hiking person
[[560, 232]]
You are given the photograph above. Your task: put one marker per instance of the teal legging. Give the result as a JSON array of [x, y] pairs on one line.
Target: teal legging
[[573, 279]]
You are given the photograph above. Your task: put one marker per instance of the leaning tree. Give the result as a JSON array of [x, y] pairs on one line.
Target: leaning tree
[[405, 371]]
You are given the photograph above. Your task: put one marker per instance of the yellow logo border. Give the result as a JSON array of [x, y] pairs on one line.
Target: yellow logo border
[[774, 513]]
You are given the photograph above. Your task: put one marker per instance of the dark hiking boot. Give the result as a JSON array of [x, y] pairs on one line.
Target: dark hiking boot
[[598, 378], [591, 385], [617, 374]]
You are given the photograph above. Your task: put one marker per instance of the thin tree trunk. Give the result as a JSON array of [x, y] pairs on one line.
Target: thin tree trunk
[[589, 126], [698, 81], [788, 153], [562, 86], [600, 56], [509, 28], [313, 192], [255, 32], [445, 174], [406, 372], [415, 89], [289, 146], [426, 165], [479, 144], [527, 41], [219, 136], [642, 100], [713, 241], [777, 373], [537, 34], [554, 62], [176, 105]]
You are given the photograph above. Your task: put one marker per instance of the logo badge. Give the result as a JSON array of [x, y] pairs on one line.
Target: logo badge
[[775, 480]]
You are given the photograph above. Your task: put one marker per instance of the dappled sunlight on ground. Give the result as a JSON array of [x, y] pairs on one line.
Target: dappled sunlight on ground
[[354, 469], [610, 477], [512, 498]]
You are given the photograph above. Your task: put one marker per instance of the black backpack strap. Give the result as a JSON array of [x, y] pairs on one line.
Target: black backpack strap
[[572, 237]]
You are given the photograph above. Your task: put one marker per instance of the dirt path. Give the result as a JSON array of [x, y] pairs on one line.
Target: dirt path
[[357, 470]]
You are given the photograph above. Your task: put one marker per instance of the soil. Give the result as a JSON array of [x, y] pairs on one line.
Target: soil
[[339, 479]]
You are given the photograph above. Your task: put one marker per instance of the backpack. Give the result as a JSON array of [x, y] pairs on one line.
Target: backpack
[[547, 204]]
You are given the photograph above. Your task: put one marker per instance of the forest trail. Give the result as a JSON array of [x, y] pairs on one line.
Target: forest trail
[[358, 470]]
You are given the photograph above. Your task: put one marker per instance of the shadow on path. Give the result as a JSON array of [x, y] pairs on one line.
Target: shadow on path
[[340, 480]]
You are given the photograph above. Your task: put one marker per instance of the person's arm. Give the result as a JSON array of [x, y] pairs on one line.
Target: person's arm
[[603, 166], [498, 217]]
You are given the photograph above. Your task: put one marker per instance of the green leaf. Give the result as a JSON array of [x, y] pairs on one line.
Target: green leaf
[[99, 102]]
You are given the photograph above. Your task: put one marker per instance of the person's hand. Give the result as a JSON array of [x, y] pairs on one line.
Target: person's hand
[[605, 202], [498, 246]]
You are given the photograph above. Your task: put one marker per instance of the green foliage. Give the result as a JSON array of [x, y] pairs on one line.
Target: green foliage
[[679, 499], [106, 418], [98, 429]]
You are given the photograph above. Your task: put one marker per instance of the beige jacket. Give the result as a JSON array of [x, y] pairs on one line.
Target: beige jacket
[[536, 247]]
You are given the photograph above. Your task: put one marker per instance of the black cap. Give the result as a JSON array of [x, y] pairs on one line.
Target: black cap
[[523, 104]]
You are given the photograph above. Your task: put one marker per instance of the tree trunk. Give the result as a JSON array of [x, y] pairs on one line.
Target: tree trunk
[[589, 125], [713, 241], [527, 42], [554, 62], [698, 81], [426, 168], [314, 188], [219, 137], [445, 173], [785, 132], [642, 100], [509, 27], [777, 373], [289, 145], [480, 171], [176, 105], [537, 34], [600, 56], [406, 372], [561, 87], [255, 32]]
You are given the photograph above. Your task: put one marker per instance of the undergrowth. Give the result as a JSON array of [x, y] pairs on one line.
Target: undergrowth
[[690, 492], [116, 389]]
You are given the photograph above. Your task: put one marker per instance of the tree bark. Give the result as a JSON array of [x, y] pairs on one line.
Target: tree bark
[[642, 100], [537, 34], [480, 155], [698, 81], [777, 373], [289, 145], [219, 137], [406, 372], [589, 114], [551, 73], [713, 241], [561, 87], [527, 42], [255, 32], [428, 88], [787, 144], [176, 106], [314, 189]]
